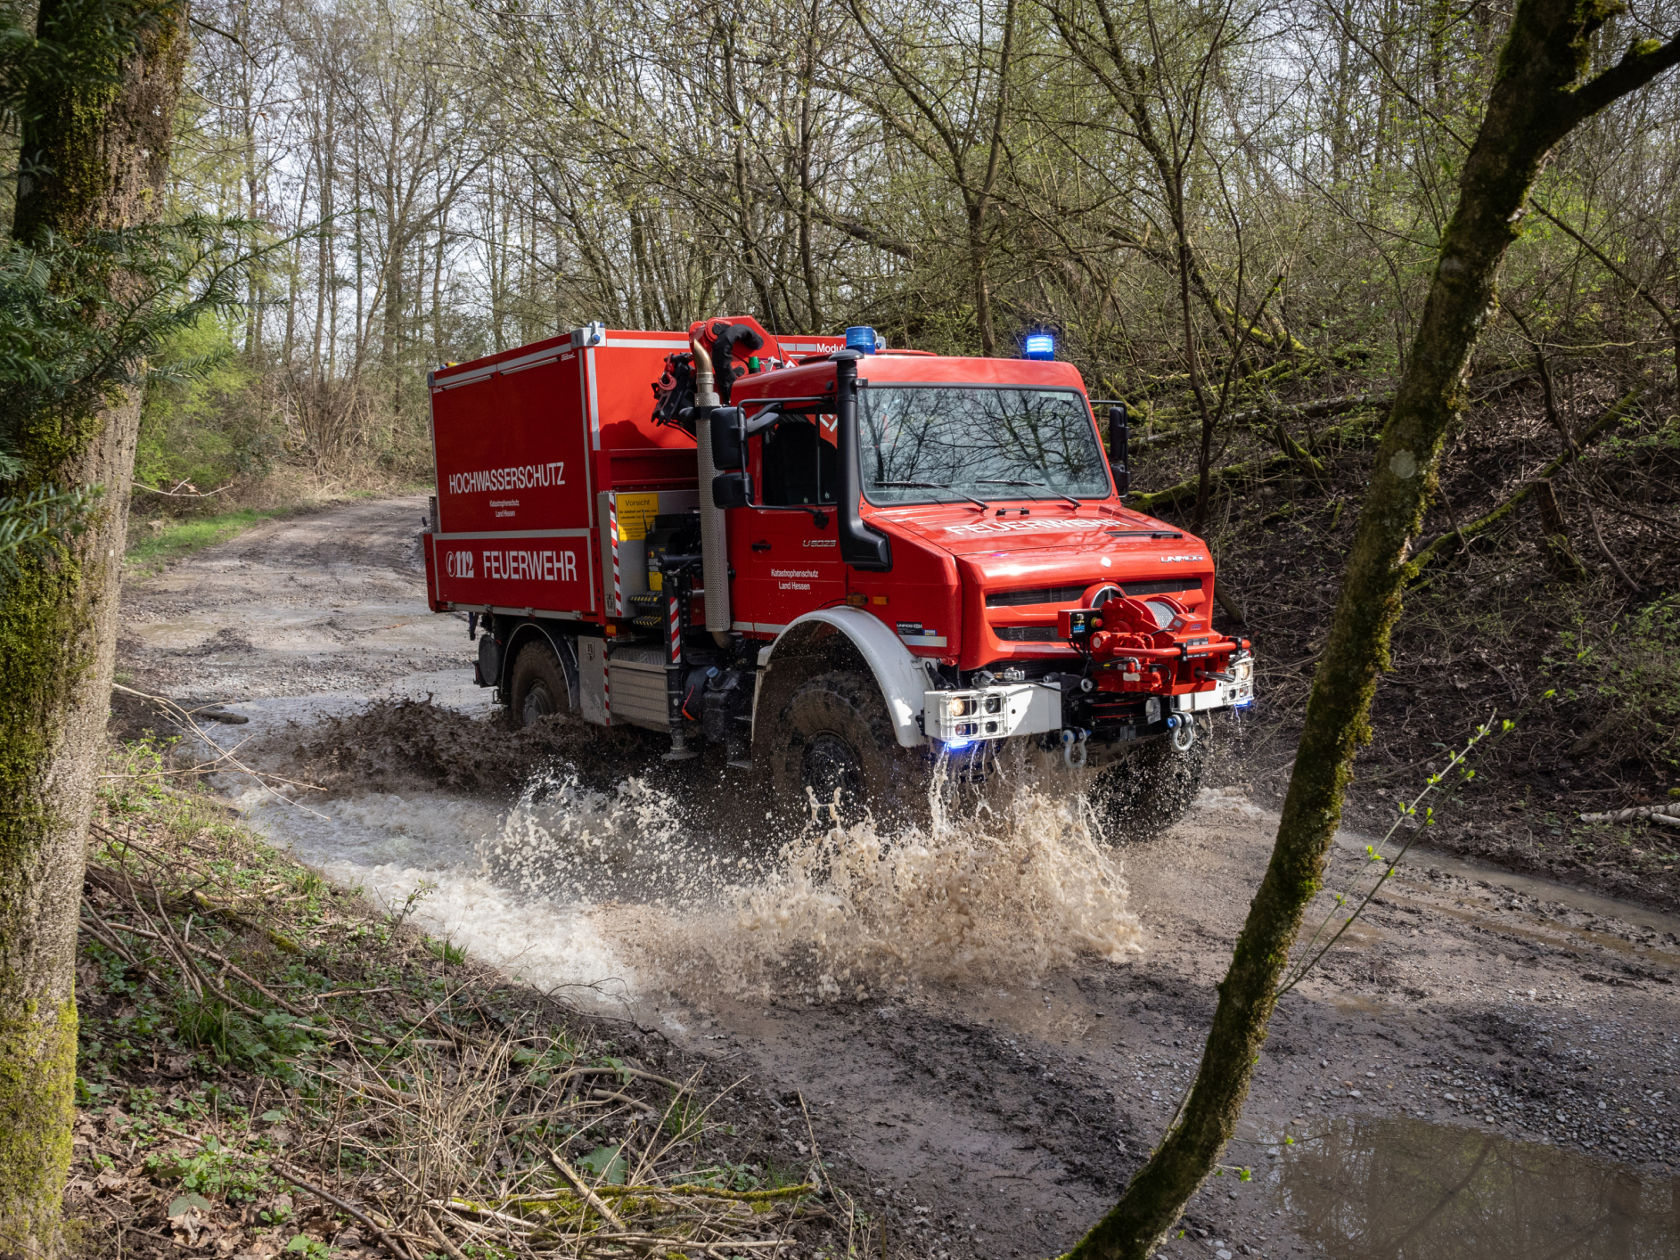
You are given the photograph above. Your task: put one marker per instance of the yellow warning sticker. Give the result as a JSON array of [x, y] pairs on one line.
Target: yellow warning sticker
[[635, 515]]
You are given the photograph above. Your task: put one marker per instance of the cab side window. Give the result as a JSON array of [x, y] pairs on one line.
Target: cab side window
[[798, 465]]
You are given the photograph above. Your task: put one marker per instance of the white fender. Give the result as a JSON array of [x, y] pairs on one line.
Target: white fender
[[900, 676]]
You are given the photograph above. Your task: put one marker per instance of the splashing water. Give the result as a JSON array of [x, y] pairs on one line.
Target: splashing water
[[414, 855], [1008, 884], [652, 882]]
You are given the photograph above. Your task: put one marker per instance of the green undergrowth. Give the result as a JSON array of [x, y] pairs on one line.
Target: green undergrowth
[[153, 545], [257, 1042]]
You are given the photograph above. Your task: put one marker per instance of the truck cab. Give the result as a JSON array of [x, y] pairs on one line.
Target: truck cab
[[854, 561]]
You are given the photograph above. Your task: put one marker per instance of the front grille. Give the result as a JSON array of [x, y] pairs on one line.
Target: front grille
[[1073, 594], [1034, 595], [1026, 634], [1164, 586]]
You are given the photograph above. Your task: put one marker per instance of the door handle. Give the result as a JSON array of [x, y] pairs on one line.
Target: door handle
[[761, 545]]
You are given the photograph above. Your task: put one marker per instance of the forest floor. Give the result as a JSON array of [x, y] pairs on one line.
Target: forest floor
[[1486, 1064], [1582, 654], [272, 1065]]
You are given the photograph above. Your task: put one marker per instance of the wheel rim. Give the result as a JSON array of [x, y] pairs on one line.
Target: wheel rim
[[538, 704], [830, 764]]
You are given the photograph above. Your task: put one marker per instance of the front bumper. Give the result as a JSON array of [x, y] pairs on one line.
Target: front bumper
[[996, 712], [1005, 710], [1234, 689]]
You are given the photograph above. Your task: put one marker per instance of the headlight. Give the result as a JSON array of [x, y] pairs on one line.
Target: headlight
[[1242, 670]]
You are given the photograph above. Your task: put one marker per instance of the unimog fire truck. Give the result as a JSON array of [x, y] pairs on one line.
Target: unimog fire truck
[[830, 561]]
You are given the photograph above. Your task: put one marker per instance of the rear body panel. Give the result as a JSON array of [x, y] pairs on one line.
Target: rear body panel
[[522, 441]]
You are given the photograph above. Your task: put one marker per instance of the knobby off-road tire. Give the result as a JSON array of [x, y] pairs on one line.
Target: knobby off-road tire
[[537, 686], [1142, 796], [834, 733]]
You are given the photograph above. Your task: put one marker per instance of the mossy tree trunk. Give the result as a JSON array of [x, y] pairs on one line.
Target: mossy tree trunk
[[94, 155], [1541, 91]]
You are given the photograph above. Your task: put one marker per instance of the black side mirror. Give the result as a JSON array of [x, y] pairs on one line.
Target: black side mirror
[[1119, 447], [726, 438], [729, 490]]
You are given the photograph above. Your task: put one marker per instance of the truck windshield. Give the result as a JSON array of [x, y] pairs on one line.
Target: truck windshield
[[932, 443]]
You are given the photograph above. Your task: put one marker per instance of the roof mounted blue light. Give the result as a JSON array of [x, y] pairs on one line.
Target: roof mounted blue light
[[1039, 346], [864, 338]]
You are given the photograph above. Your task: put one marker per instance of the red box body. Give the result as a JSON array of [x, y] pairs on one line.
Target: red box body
[[524, 442]]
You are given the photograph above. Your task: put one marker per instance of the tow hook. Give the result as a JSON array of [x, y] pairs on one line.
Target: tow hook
[[1074, 747], [1183, 732]]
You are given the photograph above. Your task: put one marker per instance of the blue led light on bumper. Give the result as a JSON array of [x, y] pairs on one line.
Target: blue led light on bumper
[[862, 337], [1039, 346]]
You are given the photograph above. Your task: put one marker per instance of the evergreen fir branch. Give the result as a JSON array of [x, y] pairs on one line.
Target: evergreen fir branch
[[33, 521]]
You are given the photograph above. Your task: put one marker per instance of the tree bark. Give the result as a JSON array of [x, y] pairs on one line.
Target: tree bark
[[1538, 96], [95, 151]]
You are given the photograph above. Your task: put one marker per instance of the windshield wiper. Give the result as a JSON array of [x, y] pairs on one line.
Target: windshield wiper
[[932, 485], [1030, 485]]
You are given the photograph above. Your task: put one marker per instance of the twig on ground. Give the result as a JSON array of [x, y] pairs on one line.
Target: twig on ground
[[225, 757], [393, 1245]]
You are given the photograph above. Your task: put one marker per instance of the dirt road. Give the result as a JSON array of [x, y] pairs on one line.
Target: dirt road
[[1484, 1066]]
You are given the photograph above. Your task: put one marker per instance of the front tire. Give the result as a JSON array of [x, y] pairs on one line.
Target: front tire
[[835, 738], [537, 687], [1145, 794]]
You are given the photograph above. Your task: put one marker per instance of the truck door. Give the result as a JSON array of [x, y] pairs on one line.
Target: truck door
[[785, 548]]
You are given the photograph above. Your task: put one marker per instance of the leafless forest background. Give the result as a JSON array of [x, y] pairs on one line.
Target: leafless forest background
[[1229, 210]]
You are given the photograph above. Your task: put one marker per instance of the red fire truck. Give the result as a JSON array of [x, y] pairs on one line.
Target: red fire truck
[[832, 561]]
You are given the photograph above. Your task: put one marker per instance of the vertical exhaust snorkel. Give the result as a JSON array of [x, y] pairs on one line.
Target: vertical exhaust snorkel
[[714, 536], [860, 546]]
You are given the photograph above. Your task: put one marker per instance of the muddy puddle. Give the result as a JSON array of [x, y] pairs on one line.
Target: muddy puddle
[[1403, 1189], [647, 886]]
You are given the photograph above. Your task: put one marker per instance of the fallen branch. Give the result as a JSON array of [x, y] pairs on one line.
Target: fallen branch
[[1268, 416], [1651, 813], [225, 757], [239, 972], [1249, 471], [107, 880], [1452, 541], [589, 1196], [191, 491]]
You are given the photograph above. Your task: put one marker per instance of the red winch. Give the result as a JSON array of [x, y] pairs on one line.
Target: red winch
[[1154, 645]]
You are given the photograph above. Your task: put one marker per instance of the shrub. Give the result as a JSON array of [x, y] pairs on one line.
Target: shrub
[[1625, 674]]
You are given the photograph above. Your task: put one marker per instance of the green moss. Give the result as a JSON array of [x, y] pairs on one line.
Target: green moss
[[43, 621], [37, 1107]]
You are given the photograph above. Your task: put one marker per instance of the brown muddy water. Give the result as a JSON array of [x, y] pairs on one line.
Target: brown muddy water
[[1365, 1187], [989, 1021]]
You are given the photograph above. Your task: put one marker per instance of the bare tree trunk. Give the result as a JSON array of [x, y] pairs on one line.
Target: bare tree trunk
[[1537, 97], [99, 146], [807, 193]]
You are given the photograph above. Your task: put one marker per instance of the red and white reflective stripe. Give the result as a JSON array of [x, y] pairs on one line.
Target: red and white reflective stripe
[[612, 528], [674, 621]]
